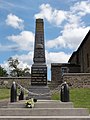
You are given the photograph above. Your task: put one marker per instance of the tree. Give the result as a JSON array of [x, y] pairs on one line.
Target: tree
[[3, 72], [15, 70]]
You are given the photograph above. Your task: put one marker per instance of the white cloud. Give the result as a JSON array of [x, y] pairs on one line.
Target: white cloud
[[74, 29], [70, 38], [5, 65], [25, 61], [73, 37], [55, 43], [52, 15], [22, 65], [8, 47], [14, 21], [25, 58], [56, 57], [45, 8], [81, 8], [73, 15], [50, 58], [24, 40]]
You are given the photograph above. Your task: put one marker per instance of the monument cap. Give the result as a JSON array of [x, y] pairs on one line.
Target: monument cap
[[39, 20]]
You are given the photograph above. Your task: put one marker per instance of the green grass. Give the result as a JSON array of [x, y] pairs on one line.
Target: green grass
[[55, 96], [79, 96], [4, 93]]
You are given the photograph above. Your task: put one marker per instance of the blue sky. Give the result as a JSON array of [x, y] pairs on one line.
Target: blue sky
[[66, 23]]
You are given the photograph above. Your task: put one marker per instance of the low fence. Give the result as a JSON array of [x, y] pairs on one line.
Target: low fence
[[6, 82], [77, 80]]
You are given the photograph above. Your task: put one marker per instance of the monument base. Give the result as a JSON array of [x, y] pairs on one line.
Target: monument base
[[39, 92], [39, 74]]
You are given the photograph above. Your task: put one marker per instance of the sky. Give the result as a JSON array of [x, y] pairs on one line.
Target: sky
[[66, 23]]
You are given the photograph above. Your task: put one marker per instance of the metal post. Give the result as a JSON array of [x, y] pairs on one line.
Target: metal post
[[13, 97], [21, 96], [64, 92]]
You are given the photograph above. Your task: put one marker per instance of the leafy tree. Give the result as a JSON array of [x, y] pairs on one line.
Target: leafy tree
[[15, 70], [3, 72]]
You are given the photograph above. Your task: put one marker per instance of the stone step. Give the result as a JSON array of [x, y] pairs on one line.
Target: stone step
[[39, 92], [44, 117], [44, 97], [54, 105], [44, 112], [39, 89], [42, 104]]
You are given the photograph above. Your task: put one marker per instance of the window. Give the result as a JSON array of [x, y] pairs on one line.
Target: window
[[64, 70]]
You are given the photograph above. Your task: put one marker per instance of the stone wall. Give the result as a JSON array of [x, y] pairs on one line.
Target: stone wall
[[7, 81], [58, 69], [73, 79], [79, 80]]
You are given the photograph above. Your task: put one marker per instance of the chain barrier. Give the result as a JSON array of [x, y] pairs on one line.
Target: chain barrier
[[21, 87], [49, 93], [57, 89]]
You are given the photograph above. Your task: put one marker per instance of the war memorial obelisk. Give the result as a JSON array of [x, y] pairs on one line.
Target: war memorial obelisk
[[39, 68]]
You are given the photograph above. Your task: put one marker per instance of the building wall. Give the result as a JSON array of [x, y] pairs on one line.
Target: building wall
[[56, 76], [82, 55], [73, 59], [57, 70], [77, 80], [74, 69], [85, 56]]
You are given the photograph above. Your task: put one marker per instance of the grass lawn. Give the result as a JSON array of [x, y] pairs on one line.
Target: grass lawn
[[4, 93], [79, 96]]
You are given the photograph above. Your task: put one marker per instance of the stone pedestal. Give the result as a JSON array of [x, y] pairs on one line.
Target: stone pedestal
[[39, 88], [39, 74], [39, 92]]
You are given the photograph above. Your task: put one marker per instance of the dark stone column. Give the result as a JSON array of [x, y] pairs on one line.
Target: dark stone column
[[39, 68]]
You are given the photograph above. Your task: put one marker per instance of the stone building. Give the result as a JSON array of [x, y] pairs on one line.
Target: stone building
[[82, 55], [79, 62], [58, 69]]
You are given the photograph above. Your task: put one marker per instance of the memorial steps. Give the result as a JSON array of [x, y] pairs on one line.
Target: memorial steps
[[42, 104], [43, 110]]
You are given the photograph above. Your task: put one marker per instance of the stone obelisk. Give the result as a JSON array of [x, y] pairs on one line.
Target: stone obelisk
[[39, 68], [39, 88]]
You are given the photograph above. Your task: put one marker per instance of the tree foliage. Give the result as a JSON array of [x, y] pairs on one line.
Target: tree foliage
[[3, 72], [15, 70]]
